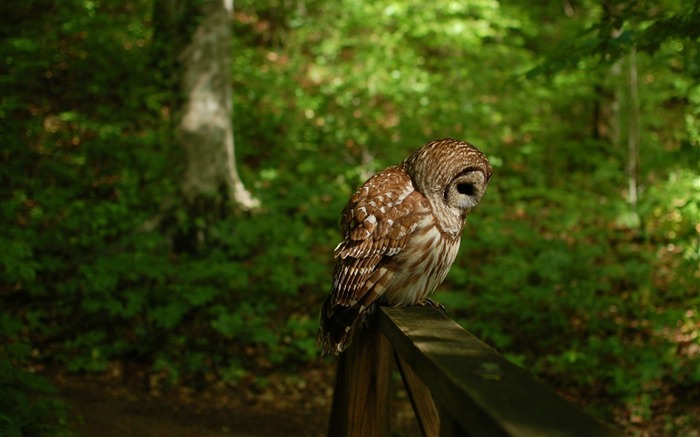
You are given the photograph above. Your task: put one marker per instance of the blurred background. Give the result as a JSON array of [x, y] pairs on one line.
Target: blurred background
[[173, 174]]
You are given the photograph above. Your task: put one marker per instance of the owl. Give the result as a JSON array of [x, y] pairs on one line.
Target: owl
[[401, 233]]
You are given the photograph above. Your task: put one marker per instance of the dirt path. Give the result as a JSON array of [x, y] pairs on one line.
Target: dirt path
[[103, 410], [106, 408]]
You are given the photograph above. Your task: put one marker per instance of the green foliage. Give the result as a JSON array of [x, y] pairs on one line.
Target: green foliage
[[26, 406], [101, 260], [595, 304]]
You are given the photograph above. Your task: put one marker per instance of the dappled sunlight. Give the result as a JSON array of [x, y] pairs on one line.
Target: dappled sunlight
[[107, 263]]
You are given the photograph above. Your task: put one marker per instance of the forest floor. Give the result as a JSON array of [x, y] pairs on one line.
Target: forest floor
[[114, 405], [125, 402]]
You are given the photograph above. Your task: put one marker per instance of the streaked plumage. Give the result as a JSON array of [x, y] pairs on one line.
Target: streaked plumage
[[401, 233]]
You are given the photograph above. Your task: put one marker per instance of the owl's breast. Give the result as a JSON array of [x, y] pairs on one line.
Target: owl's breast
[[420, 267]]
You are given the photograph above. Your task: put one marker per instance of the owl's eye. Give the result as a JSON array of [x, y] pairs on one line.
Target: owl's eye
[[465, 188]]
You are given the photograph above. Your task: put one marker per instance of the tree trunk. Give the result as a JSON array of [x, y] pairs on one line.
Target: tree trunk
[[633, 134], [205, 130]]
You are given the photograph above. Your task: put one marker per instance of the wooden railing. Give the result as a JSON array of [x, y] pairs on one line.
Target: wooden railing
[[458, 385]]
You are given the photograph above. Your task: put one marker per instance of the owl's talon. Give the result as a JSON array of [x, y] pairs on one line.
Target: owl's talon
[[436, 305]]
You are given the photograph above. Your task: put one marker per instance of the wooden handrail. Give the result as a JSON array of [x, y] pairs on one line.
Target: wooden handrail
[[457, 384]]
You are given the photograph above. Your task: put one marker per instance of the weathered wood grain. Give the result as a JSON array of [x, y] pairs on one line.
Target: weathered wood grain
[[362, 395], [481, 391], [421, 399]]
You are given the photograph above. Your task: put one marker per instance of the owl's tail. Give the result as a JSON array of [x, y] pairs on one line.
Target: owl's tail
[[338, 324], [336, 328]]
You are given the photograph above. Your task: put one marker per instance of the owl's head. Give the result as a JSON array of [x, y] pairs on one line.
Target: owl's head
[[452, 174]]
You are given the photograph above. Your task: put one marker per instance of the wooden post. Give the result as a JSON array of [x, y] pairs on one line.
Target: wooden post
[[477, 390], [362, 395], [458, 385], [423, 404]]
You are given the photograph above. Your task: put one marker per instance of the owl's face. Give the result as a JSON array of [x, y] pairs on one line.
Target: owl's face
[[452, 174], [465, 191]]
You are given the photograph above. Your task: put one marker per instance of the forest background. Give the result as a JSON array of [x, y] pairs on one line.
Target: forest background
[[581, 264]]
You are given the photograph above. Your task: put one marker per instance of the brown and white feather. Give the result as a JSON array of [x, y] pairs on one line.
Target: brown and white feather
[[401, 233]]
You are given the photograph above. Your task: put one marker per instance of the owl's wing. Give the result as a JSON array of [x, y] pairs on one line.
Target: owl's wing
[[377, 223]]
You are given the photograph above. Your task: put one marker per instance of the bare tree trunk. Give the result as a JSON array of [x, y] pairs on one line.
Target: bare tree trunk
[[205, 129], [616, 125], [632, 112], [633, 131]]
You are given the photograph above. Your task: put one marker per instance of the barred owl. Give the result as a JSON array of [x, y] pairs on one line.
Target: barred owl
[[401, 232]]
